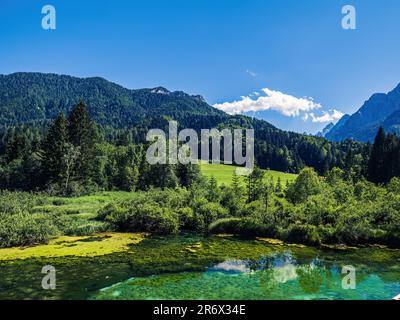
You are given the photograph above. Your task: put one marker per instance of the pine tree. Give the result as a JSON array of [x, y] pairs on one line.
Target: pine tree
[[188, 174], [349, 163], [236, 186], [376, 165], [82, 134], [279, 188], [16, 147], [213, 194], [255, 184], [54, 149]]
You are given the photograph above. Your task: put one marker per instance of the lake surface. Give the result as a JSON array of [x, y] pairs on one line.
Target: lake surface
[[193, 267]]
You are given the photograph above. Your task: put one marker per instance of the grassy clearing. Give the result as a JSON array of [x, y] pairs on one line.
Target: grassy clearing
[[224, 173], [85, 207], [85, 246]]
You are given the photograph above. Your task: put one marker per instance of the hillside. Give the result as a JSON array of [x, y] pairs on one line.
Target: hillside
[[380, 110], [36, 99]]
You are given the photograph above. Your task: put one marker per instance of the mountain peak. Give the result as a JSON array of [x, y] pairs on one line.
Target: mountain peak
[[375, 112], [160, 90]]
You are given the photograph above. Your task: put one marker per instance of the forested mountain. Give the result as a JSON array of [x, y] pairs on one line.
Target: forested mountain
[[36, 97], [30, 101], [380, 110]]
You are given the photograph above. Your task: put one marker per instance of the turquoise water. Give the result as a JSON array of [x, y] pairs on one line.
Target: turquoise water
[[194, 267], [274, 278]]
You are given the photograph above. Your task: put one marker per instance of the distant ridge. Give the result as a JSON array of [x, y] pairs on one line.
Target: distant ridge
[[379, 110]]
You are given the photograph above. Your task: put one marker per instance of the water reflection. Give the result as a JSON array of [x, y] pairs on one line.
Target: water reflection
[[275, 276]]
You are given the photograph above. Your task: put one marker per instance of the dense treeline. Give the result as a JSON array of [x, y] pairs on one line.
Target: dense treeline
[[75, 155], [384, 162], [34, 100], [73, 158]]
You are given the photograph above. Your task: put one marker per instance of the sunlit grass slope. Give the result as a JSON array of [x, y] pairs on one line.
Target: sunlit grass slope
[[224, 173]]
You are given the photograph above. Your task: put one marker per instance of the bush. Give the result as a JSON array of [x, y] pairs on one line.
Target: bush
[[107, 211], [141, 218], [24, 229], [58, 202], [187, 219], [152, 218], [16, 202], [209, 212], [306, 184], [353, 228], [394, 185], [305, 234], [241, 226]]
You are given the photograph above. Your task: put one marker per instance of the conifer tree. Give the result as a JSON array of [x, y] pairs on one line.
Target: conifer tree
[[236, 186], [255, 184], [376, 165], [188, 174], [82, 134], [54, 149], [213, 194]]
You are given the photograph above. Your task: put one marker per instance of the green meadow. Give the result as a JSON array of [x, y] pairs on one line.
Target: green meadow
[[224, 173]]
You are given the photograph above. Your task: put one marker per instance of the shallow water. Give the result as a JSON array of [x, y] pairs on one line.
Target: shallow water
[[192, 267]]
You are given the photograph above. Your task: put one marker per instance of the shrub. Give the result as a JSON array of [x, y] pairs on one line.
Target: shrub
[[141, 218], [394, 185], [24, 229], [152, 218], [226, 225], [58, 202], [241, 226], [303, 233], [187, 219], [306, 184], [106, 211], [353, 228], [209, 212]]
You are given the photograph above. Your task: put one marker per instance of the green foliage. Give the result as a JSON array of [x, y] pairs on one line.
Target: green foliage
[[305, 234], [307, 184], [24, 229], [384, 161], [19, 226], [241, 226]]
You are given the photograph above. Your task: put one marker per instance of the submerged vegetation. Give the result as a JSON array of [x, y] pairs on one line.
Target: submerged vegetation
[[83, 246], [189, 264]]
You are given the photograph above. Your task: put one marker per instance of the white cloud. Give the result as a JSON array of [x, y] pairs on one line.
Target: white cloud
[[273, 100], [327, 116]]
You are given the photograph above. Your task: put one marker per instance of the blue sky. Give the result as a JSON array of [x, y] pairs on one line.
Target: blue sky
[[221, 49]]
